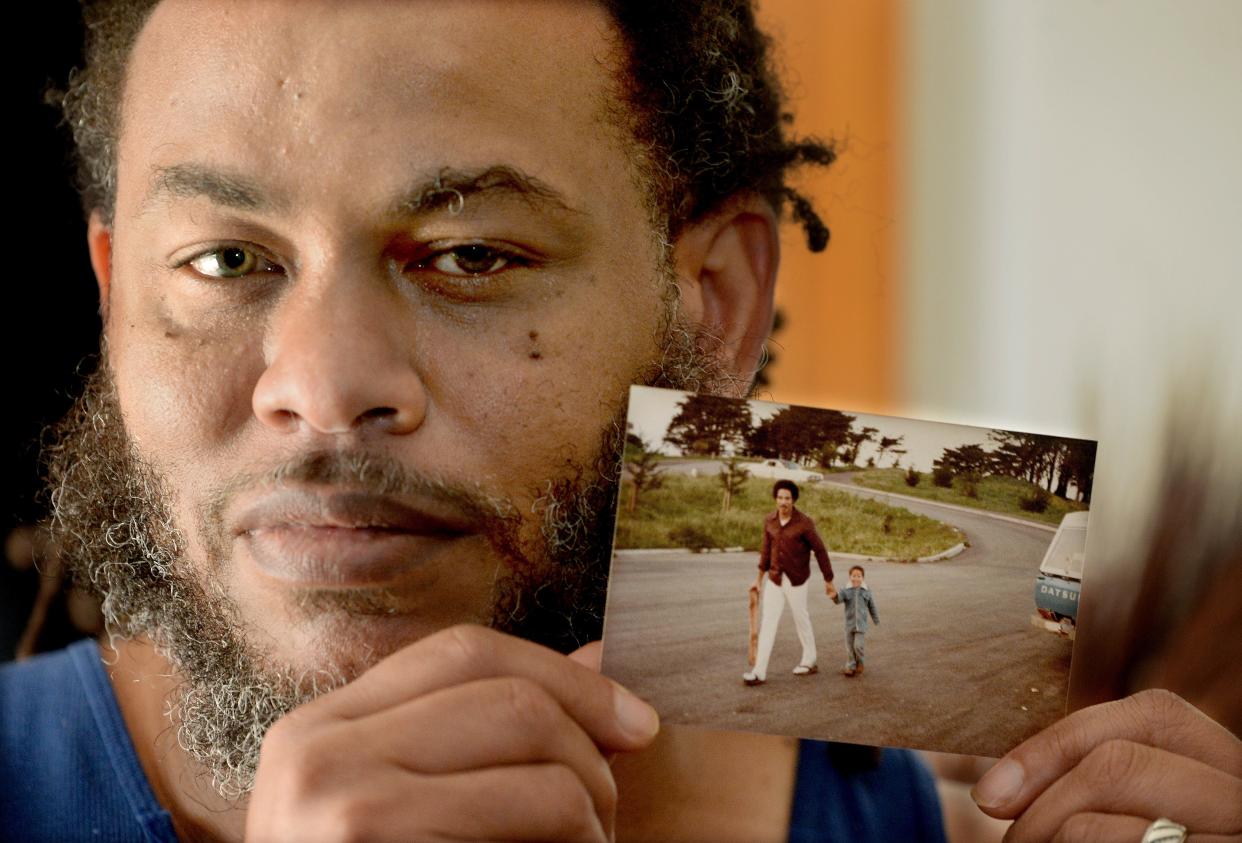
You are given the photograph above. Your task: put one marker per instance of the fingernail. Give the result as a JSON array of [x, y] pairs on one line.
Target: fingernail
[[1000, 785], [637, 718]]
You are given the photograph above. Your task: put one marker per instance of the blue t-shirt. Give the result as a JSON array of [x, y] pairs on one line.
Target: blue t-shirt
[[68, 770]]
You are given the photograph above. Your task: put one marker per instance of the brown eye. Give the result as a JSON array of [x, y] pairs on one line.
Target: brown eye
[[470, 260]]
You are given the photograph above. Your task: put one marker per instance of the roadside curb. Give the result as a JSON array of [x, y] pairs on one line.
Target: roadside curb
[[650, 551], [935, 557], [969, 510], [948, 554], [833, 554]]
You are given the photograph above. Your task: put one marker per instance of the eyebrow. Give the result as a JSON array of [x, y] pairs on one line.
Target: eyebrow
[[193, 181], [450, 189]]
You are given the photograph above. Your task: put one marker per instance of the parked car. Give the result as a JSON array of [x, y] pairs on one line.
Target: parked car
[[782, 470], [1059, 583]]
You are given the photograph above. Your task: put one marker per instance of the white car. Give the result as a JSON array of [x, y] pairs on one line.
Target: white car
[[782, 470], [1059, 582]]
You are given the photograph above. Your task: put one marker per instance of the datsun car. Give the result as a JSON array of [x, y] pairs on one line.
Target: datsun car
[[1059, 582]]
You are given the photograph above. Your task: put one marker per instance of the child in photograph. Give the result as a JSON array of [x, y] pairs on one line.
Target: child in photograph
[[858, 602]]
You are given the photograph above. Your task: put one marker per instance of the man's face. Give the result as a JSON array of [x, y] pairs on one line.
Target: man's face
[[784, 501], [407, 234]]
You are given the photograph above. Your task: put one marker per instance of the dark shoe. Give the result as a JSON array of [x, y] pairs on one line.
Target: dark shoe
[[858, 669], [848, 672], [750, 679], [805, 670]]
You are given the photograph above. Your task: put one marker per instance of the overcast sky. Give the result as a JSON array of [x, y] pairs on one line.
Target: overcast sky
[[652, 409]]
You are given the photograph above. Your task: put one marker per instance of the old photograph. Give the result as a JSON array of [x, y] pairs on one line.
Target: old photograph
[[930, 572]]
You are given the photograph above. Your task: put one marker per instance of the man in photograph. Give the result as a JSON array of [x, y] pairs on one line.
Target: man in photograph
[[375, 279], [789, 539]]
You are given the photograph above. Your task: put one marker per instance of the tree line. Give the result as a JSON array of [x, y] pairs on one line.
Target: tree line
[[1050, 462], [710, 426]]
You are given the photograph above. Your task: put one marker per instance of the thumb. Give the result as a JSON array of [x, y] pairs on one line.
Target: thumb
[[589, 656]]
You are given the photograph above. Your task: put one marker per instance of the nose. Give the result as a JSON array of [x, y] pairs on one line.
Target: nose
[[339, 359]]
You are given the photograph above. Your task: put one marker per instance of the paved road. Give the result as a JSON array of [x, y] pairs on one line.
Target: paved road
[[954, 666]]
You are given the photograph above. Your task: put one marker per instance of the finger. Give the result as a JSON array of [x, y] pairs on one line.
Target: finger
[[1157, 718], [1127, 778], [487, 723], [589, 656], [1111, 828], [543, 802], [964, 769], [611, 715], [592, 656]]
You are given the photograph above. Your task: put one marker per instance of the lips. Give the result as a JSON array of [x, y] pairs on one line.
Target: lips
[[323, 538]]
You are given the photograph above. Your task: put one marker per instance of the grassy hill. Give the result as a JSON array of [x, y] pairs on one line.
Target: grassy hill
[[685, 512], [996, 494]]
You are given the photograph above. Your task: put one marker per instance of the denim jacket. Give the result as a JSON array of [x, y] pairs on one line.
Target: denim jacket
[[855, 599]]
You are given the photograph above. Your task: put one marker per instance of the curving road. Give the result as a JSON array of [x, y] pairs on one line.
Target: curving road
[[954, 665]]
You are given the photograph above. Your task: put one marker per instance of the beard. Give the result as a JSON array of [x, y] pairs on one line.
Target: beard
[[111, 519]]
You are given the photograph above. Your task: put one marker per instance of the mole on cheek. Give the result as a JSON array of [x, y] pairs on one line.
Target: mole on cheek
[[171, 328], [535, 353]]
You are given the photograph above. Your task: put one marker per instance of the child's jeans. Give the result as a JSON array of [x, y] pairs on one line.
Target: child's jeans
[[854, 645]]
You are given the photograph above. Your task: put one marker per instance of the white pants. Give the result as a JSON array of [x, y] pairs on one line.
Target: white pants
[[774, 599]]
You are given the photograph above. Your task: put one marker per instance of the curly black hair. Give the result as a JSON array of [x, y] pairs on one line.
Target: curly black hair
[[704, 104], [787, 485], [707, 103]]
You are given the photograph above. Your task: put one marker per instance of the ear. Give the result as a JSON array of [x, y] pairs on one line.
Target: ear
[[726, 269], [99, 243]]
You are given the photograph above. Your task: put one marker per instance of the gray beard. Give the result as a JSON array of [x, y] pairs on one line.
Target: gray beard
[[111, 517]]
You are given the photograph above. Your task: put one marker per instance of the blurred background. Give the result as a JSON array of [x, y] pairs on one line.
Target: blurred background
[[1035, 218]]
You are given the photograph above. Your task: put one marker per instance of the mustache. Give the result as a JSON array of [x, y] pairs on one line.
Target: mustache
[[368, 473]]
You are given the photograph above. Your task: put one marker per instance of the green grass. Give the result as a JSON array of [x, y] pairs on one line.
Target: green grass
[[847, 523], [996, 494]]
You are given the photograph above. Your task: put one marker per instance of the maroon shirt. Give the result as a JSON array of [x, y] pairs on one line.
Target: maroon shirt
[[787, 550]]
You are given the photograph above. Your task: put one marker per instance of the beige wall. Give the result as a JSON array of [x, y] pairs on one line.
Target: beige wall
[[1074, 200]]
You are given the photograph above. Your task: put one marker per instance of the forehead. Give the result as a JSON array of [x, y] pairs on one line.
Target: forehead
[[349, 92]]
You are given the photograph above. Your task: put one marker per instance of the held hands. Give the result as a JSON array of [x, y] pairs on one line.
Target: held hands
[[830, 589], [467, 734], [1106, 772]]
